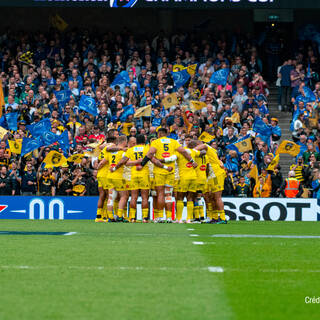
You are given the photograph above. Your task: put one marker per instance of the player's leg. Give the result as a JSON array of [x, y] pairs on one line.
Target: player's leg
[[102, 197], [168, 191], [180, 206], [124, 195], [160, 202], [190, 206], [220, 207], [145, 204], [133, 205], [112, 195]]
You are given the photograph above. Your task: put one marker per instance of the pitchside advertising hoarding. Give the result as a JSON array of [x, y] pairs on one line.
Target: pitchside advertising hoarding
[[179, 4], [78, 208]]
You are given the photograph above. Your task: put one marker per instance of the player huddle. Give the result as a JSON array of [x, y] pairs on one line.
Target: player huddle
[[164, 170]]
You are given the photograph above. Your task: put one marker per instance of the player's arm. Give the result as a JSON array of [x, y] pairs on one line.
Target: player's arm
[[101, 163], [122, 162], [187, 155], [159, 164], [114, 148], [201, 147], [169, 159], [149, 156]]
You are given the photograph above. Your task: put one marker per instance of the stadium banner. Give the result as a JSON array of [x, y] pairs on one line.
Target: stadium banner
[[167, 4], [77, 208]]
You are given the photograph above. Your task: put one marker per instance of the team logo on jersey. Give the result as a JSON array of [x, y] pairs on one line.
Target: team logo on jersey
[[166, 155], [203, 168], [112, 165], [189, 165], [122, 3]]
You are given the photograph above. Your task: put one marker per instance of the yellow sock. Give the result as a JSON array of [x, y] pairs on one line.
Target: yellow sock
[[105, 210], [155, 213], [215, 214], [201, 212], [190, 206], [120, 213], [110, 214], [125, 212], [196, 212], [169, 213], [180, 206], [99, 213], [145, 213], [209, 211], [132, 213], [116, 207], [222, 215]]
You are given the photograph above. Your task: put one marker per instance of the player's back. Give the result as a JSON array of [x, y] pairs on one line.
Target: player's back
[[135, 153], [166, 147], [186, 170], [113, 159]]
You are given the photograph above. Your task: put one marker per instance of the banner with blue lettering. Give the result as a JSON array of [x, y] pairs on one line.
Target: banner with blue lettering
[[82, 208]]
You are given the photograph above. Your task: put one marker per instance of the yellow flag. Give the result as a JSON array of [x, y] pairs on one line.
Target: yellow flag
[[170, 100], [3, 132], [55, 159], [143, 112], [235, 117], [2, 103], [76, 158], [58, 23], [244, 145], [206, 137], [192, 69], [178, 67], [15, 146], [288, 147], [197, 105], [254, 173], [274, 163]]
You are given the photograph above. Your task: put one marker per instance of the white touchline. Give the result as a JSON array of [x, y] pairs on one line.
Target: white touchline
[[198, 243], [263, 236], [70, 233], [215, 269], [190, 229], [194, 235]]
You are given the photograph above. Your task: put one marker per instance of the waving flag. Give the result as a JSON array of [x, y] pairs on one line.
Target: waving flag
[[254, 173], [39, 128], [260, 127], [143, 112], [55, 159], [206, 137], [170, 100], [197, 105], [127, 111], [192, 69], [180, 78], [220, 77], [121, 78], [12, 120], [88, 104], [76, 158], [288, 147], [49, 138], [15, 146], [63, 96], [64, 143], [294, 118], [3, 132], [242, 145], [30, 144], [274, 163]]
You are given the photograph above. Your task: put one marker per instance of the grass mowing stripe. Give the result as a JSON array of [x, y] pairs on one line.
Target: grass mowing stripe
[[263, 236]]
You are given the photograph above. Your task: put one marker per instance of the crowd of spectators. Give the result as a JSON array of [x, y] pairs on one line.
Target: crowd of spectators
[[87, 63]]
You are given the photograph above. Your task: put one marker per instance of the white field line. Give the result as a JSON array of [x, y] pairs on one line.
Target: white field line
[[263, 236], [70, 233], [193, 235], [199, 243], [215, 269], [190, 229], [120, 268]]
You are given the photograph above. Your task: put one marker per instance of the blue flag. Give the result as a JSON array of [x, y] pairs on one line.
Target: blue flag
[[309, 94], [260, 127], [88, 104], [64, 142], [180, 77], [3, 122], [12, 120], [294, 118], [127, 111], [30, 144], [220, 77], [121, 78], [48, 138], [63, 97], [39, 128]]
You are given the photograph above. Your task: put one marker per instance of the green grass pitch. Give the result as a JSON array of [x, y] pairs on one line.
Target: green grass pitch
[[155, 271]]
